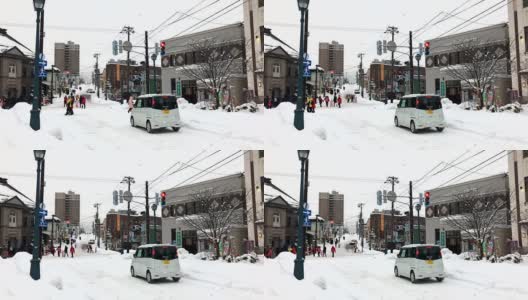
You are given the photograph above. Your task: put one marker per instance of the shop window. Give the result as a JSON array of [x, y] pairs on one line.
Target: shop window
[[276, 70], [276, 220], [12, 219]]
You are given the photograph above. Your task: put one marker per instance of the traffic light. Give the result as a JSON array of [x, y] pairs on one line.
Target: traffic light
[[114, 47], [380, 49], [157, 48], [427, 46], [157, 198], [379, 197], [427, 196], [162, 46], [163, 195], [115, 197], [120, 46], [384, 46], [421, 48]]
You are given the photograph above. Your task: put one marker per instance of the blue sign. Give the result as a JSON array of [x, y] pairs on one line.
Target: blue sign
[[43, 63], [43, 222], [43, 212], [307, 73], [307, 212], [307, 222]]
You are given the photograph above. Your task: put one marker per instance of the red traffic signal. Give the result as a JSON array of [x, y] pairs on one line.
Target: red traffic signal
[[162, 48], [427, 196], [427, 46], [163, 196]]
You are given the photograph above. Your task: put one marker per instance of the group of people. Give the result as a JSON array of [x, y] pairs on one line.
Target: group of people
[[74, 100], [70, 250], [270, 252]]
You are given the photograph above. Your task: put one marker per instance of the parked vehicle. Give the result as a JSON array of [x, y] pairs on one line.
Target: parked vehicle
[[90, 91], [356, 91], [91, 241], [420, 261], [155, 112], [156, 261], [419, 112]]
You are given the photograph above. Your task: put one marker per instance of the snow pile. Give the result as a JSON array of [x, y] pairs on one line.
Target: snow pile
[[252, 258], [183, 103], [513, 107], [183, 253], [514, 258], [251, 107]]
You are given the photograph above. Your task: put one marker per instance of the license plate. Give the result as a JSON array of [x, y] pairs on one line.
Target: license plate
[[166, 111], [166, 262], [429, 112], [429, 262]]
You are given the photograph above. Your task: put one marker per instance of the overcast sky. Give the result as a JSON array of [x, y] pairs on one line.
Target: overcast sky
[[358, 175], [94, 24], [359, 24]]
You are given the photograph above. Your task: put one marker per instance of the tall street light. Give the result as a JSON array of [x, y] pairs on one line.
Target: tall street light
[[298, 121], [34, 121], [35, 262], [298, 270]]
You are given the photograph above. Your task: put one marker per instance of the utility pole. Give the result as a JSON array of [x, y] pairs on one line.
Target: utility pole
[[154, 56], [52, 75], [361, 81], [98, 225], [411, 65], [128, 30], [361, 226], [411, 212], [147, 212], [316, 73], [128, 180], [392, 180], [147, 73], [96, 56], [392, 30], [418, 207]]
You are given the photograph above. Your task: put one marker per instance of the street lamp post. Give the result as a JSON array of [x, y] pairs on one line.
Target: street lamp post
[[35, 262], [34, 121], [298, 271], [299, 111]]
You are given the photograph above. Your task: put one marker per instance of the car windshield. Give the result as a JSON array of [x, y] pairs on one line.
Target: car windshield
[[428, 102], [428, 253], [164, 102], [164, 252]]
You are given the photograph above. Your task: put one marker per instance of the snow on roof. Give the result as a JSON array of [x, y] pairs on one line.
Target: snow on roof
[[419, 245], [154, 245]]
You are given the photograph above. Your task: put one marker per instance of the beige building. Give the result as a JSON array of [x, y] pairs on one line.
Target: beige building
[[67, 207], [16, 229], [331, 57], [253, 176], [280, 224], [16, 72], [253, 33], [518, 181], [331, 207], [518, 31], [280, 74], [67, 57]]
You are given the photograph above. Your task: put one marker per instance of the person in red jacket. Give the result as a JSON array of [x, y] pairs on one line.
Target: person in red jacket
[[72, 250], [294, 249], [339, 101], [333, 249]]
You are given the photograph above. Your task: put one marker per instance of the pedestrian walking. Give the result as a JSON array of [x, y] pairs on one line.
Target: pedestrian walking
[[58, 251], [333, 249], [130, 104], [72, 251], [335, 100], [65, 100], [83, 102], [65, 253], [339, 100], [324, 251], [327, 99]]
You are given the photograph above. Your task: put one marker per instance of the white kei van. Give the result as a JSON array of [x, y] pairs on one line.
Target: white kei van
[[420, 261], [420, 112], [155, 261], [156, 111]]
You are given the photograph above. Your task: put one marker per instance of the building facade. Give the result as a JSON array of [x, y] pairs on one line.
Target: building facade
[[114, 79], [444, 55], [181, 203], [253, 33], [16, 226], [116, 234], [280, 74], [16, 76], [180, 58], [331, 58], [67, 207], [518, 182], [518, 31], [386, 232], [280, 224], [253, 178], [67, 57], [331, 207], [448, 202], [383, 79]]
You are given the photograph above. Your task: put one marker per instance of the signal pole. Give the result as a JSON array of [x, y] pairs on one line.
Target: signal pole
[[96, 56], [360, 55], [128, 30], [128, 180], [392, 180], [411, 65], [361, 226], [411, 212], [147, 73], [147, 221], [98, 224], [392, 30]]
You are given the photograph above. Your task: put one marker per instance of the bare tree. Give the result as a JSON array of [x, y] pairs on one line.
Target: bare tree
[[477, 64], [216, 214], [215, 64], [479, 214]]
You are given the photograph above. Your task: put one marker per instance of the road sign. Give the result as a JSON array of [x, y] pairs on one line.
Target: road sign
[[307, 73], [307, 212], [379, 47], [443, 89], [391, 196], [127, 46], [178, 88], [418, 57], [127, 196], [179, 239], [154, 206], [391, 46], [43, 223], [43, 212]]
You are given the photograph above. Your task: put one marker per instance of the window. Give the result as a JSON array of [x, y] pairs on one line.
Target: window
[[429, 103], [525, 189], [12, 219], [12, 71], [525, 32], [164, 253], [428, 253], [525, 153], [261, 3], [288, 221], [148, 252], [411, 252], [525, 3], [276, 70], [276, 220], [437, 236], [403, 253], [435, 209], [437, 85], [173, 85], [261, 153]]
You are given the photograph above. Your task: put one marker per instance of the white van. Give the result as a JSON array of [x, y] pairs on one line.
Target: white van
[[419, 262], [156, 111], [155, 261], [419, 112]]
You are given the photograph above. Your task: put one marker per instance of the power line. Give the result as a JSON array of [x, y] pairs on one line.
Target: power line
[[215, 164]]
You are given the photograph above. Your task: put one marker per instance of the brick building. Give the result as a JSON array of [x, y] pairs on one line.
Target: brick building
[[115, 229]]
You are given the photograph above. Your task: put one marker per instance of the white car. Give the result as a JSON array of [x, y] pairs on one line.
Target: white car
[[90, 91], [155, 261], [420, 261], [155, 112], [419, 112]]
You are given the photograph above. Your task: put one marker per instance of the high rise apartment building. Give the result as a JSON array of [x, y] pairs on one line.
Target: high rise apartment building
[[67, 57], [67, 207], [331, 57], [331, 207]]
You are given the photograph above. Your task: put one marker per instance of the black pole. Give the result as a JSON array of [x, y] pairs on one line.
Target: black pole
[[147, 212], [35, 111], [35, 261], [411, 223], [42, 184], [316, 71], [52, 225], [298, 271], [411, 63], [305, 51], [52, 75], [147, 73], [298, 121], [419, 233], [391, 72], [41, 52], [155, 228]]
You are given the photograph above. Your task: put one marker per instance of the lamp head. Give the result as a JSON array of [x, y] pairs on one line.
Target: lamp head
[[303, 4], [38, 4], [303, 154], [39, 154]]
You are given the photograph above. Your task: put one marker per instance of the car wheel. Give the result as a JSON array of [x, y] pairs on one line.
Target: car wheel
[[396, 272], [132, 122], [413, 278], [396, 123], [176, 279], [440, 129], [149, 277], [440, 279], [413, 127], [132, 272], [149, 128], [176, 129]]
